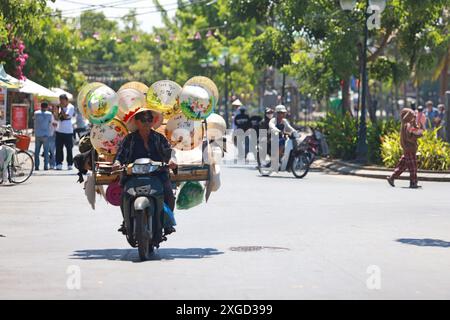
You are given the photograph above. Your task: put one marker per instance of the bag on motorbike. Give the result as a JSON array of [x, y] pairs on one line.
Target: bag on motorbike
[[191, 195]]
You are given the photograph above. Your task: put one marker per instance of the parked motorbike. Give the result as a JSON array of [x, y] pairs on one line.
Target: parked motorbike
[[143, 206], [295, 158]]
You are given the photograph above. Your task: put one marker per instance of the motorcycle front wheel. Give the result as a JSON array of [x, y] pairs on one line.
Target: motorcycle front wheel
[[143, 223], [300, 166], [263, 164]]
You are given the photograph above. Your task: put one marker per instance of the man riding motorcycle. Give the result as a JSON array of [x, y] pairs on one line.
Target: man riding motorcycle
[[279, 125], [145, 142]]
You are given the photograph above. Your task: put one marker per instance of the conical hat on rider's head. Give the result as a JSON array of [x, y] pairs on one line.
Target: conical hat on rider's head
[[130, 121]]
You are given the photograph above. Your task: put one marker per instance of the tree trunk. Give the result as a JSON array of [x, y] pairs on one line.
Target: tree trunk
[[444, 79], [346, 103], [418, 94], [372, 105]]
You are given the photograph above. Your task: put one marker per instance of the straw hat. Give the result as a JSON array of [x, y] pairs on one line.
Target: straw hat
[[130, 121]]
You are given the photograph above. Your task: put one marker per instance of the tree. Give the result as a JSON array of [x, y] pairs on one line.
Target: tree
[[201, 31], [53, 58], [19, 19], [331, 38]]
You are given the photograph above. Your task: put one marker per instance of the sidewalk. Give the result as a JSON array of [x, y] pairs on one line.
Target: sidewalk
[[375, 172]]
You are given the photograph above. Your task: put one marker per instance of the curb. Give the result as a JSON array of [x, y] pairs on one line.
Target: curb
[[345, 168]]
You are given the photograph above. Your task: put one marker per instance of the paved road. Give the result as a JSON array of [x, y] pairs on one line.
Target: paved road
[[323, 234]]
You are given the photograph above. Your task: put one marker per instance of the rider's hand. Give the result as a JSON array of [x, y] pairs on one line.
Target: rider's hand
[[172, 165], [116, 166]]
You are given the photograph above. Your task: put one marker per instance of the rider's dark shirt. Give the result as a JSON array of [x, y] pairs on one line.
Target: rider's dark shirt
[[280, 126], [133, 148]]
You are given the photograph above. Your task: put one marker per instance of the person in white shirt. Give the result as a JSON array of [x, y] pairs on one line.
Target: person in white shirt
[[52, 139], [279, 125], [64, 132]]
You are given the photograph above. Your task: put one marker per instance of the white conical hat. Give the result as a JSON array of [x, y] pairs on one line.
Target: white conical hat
[[237, 103]]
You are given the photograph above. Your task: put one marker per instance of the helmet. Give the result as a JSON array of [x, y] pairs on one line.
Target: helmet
[[281, 109], [268, 110]]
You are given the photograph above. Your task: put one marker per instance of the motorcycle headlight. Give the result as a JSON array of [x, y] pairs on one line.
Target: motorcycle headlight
[[143, 168]]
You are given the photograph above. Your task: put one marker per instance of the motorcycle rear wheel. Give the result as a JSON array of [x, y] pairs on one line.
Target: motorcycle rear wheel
[[300, 166]]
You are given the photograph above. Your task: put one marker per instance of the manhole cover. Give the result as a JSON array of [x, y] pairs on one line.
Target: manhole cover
[[255, 248]]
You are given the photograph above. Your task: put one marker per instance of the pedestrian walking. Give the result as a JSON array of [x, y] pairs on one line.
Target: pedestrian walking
[[42, 123], [421, 118], [441, 122], [235, 111], [431, 114], [80, 124], [409, 133], [52, 139], [64, 132]]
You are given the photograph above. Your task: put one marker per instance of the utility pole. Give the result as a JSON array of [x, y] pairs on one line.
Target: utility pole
[[362, 149]]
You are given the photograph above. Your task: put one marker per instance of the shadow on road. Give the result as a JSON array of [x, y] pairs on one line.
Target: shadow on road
[[132, 254], [425, 242]]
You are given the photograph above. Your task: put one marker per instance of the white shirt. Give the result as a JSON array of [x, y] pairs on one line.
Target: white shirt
[[287, 127], [65, 126]]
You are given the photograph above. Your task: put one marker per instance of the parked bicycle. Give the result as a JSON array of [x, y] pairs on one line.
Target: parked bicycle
[[21, 166]]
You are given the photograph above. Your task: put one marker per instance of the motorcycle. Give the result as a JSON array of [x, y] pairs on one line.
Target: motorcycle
[[295, 158], [317, 145], [143, 207]]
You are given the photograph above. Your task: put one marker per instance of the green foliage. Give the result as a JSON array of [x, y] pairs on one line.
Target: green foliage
[[182, 54], [412, 40], [53, 58], [341, 134], [433, 152], [20, 18], [391, 151], [375, 133]]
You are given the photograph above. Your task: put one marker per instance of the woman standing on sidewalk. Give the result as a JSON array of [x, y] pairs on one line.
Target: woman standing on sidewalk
[[409, 134]]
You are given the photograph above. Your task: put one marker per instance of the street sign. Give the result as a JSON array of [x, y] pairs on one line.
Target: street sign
[[19, 116]]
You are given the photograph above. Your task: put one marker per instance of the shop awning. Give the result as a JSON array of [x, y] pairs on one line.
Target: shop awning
[[32, 87], [6, 81], [60, 91]]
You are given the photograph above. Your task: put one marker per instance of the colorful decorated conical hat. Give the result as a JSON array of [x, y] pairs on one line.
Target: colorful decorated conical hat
[[184, 134], [195, 102], [129, 99], [207, 84], [105, 138], [216, 126], [162, 96], [102, 105], [139, 86], [82, 95]]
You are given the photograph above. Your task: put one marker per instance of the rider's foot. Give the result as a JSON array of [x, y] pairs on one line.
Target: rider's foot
[[169, 230], [123, 229]]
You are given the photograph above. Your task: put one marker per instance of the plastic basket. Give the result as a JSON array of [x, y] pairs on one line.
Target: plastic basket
[[23, 142]]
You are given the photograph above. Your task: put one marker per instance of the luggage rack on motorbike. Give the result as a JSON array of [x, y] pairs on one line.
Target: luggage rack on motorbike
[[104, 175]]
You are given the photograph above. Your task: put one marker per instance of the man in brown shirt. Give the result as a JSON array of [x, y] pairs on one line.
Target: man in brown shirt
[[409, 134]]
